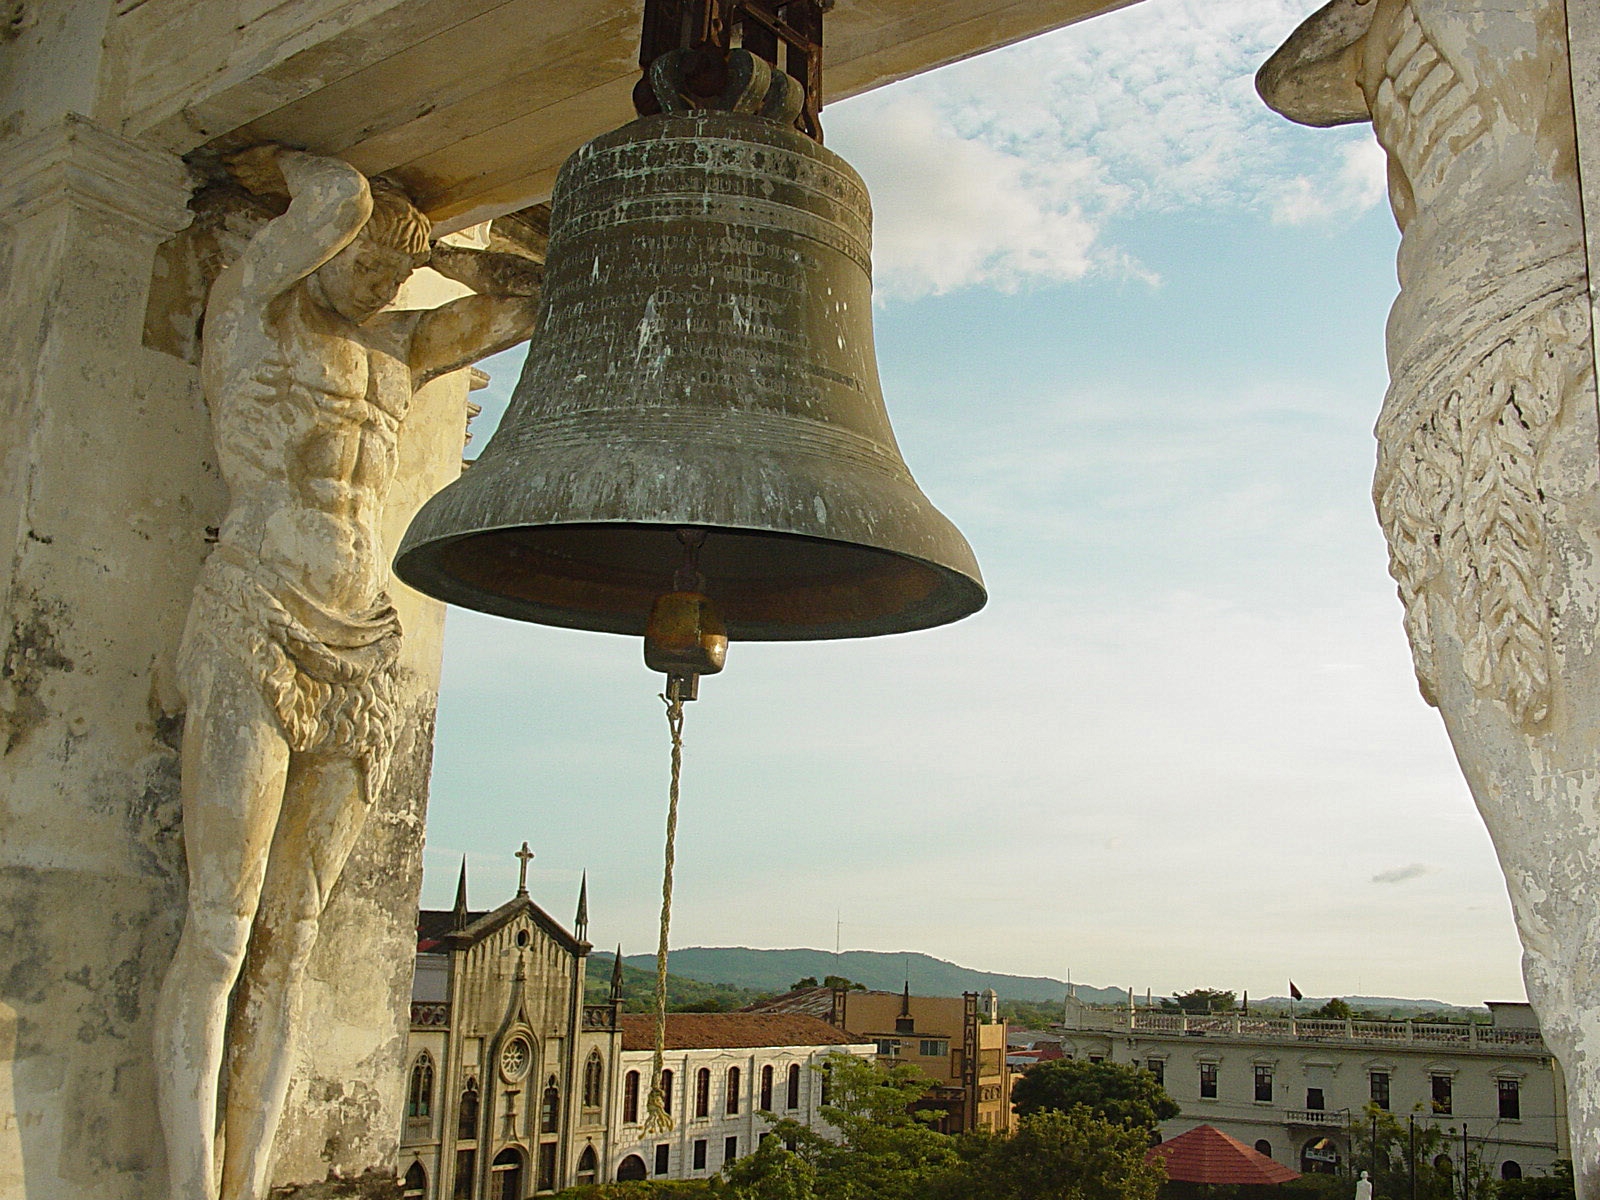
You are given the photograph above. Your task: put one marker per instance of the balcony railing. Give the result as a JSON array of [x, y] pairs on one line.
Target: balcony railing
[[1237, 1025], [430, 1014], [599, 1017], [1317, 1118]]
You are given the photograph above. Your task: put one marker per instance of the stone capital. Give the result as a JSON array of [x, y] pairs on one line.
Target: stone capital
[[77, 163]]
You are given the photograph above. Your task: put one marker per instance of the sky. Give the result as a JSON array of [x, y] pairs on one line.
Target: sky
[[1130, 330]]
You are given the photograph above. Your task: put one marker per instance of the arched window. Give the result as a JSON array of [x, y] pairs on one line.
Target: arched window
[[666, 1091], [733, 1089], [467, 1118], [1443, 1165], [827, 1081], [1511, 1169], [702, 1092], [794, 1086], [419, 1102], [550, 1107], [630, 1097], [631, 1168], [588, 1167], [1264, 1147], [766, 1088], [594, 1077], [505, 1175], [415, 1186]]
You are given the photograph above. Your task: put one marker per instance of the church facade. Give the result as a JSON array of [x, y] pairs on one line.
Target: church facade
[[511, 1076]]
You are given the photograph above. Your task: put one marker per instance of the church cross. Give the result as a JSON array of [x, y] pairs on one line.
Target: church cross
[[526, 857]]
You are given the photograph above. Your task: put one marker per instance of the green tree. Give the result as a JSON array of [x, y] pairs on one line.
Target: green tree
[[1555, 1186], [1334, 1010], [1201, 1000], [884, 1152], [1073, 1155], [1124, 1095], [1028, 1015], [1385, 1144], [839, 981], [687, 1189], [810, 981], [771, 1173]]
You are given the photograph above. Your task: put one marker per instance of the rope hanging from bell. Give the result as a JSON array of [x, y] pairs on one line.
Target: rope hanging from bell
[[684, 640]]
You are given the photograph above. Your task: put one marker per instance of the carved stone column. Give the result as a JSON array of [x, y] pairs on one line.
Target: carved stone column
[[1583, 30], [93, 500], [107, 489], [1488, 482]]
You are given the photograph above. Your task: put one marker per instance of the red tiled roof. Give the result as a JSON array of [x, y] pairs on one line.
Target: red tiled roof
[[714, 1031], [812, 1002], [1207, 1155]]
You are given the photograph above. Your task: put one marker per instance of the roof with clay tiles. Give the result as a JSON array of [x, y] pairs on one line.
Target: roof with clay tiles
[[723, 1031]]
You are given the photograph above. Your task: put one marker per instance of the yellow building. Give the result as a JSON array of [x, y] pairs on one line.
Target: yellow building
[[956, 1044]]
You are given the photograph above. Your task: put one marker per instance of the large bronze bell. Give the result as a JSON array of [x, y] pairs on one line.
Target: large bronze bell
[[704, 362]]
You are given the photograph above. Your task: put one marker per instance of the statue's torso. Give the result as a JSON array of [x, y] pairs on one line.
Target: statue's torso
[[1473, 104], [306, 409]]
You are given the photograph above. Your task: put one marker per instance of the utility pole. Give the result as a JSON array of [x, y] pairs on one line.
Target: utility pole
[[1466, 1179], [1411, 1158], [1374, 1147]]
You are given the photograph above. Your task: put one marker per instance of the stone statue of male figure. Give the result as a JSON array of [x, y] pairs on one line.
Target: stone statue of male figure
[[289, 657], [1488, 471]]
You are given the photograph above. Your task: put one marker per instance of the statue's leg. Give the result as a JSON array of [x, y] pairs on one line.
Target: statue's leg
[[234, 763], [323, 811], [1493, 507]]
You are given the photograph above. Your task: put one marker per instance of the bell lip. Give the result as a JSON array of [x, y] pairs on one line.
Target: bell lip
[[956, 595]]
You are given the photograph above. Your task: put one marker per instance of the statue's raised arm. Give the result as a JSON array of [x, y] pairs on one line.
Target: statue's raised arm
[[501, 313], [329, 202]]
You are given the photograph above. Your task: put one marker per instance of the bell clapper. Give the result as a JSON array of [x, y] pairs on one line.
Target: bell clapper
[[685, 639]]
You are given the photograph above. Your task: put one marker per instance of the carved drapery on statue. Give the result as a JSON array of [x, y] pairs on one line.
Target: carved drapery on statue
[[1488, 446], [329, 676]]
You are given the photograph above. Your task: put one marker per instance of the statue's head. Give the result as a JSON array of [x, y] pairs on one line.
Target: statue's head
[[365, 276]]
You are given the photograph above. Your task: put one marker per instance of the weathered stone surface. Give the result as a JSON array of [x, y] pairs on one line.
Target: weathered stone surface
[[1487, 471], [111, 489], [289, 665]]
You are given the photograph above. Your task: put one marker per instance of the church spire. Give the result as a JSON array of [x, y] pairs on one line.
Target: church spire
[[580, 927], [458, 915], [616, 974]]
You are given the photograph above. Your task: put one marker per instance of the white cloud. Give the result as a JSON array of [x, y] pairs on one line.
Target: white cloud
[[955, 212], [1012, 167], [1401, 874], [1359, 183]]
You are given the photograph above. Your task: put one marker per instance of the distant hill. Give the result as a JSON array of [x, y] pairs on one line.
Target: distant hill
[[776, 970], [639, 988]]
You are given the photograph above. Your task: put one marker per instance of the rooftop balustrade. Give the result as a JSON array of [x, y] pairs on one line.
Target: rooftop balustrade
[[1236, 1026]]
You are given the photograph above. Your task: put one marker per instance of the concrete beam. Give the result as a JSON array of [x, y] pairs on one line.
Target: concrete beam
[[474, 104]]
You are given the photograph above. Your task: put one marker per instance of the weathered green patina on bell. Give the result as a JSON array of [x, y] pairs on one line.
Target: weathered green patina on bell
[[704, 361]]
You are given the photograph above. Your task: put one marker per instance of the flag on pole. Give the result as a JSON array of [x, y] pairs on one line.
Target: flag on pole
[[1294, 992]]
